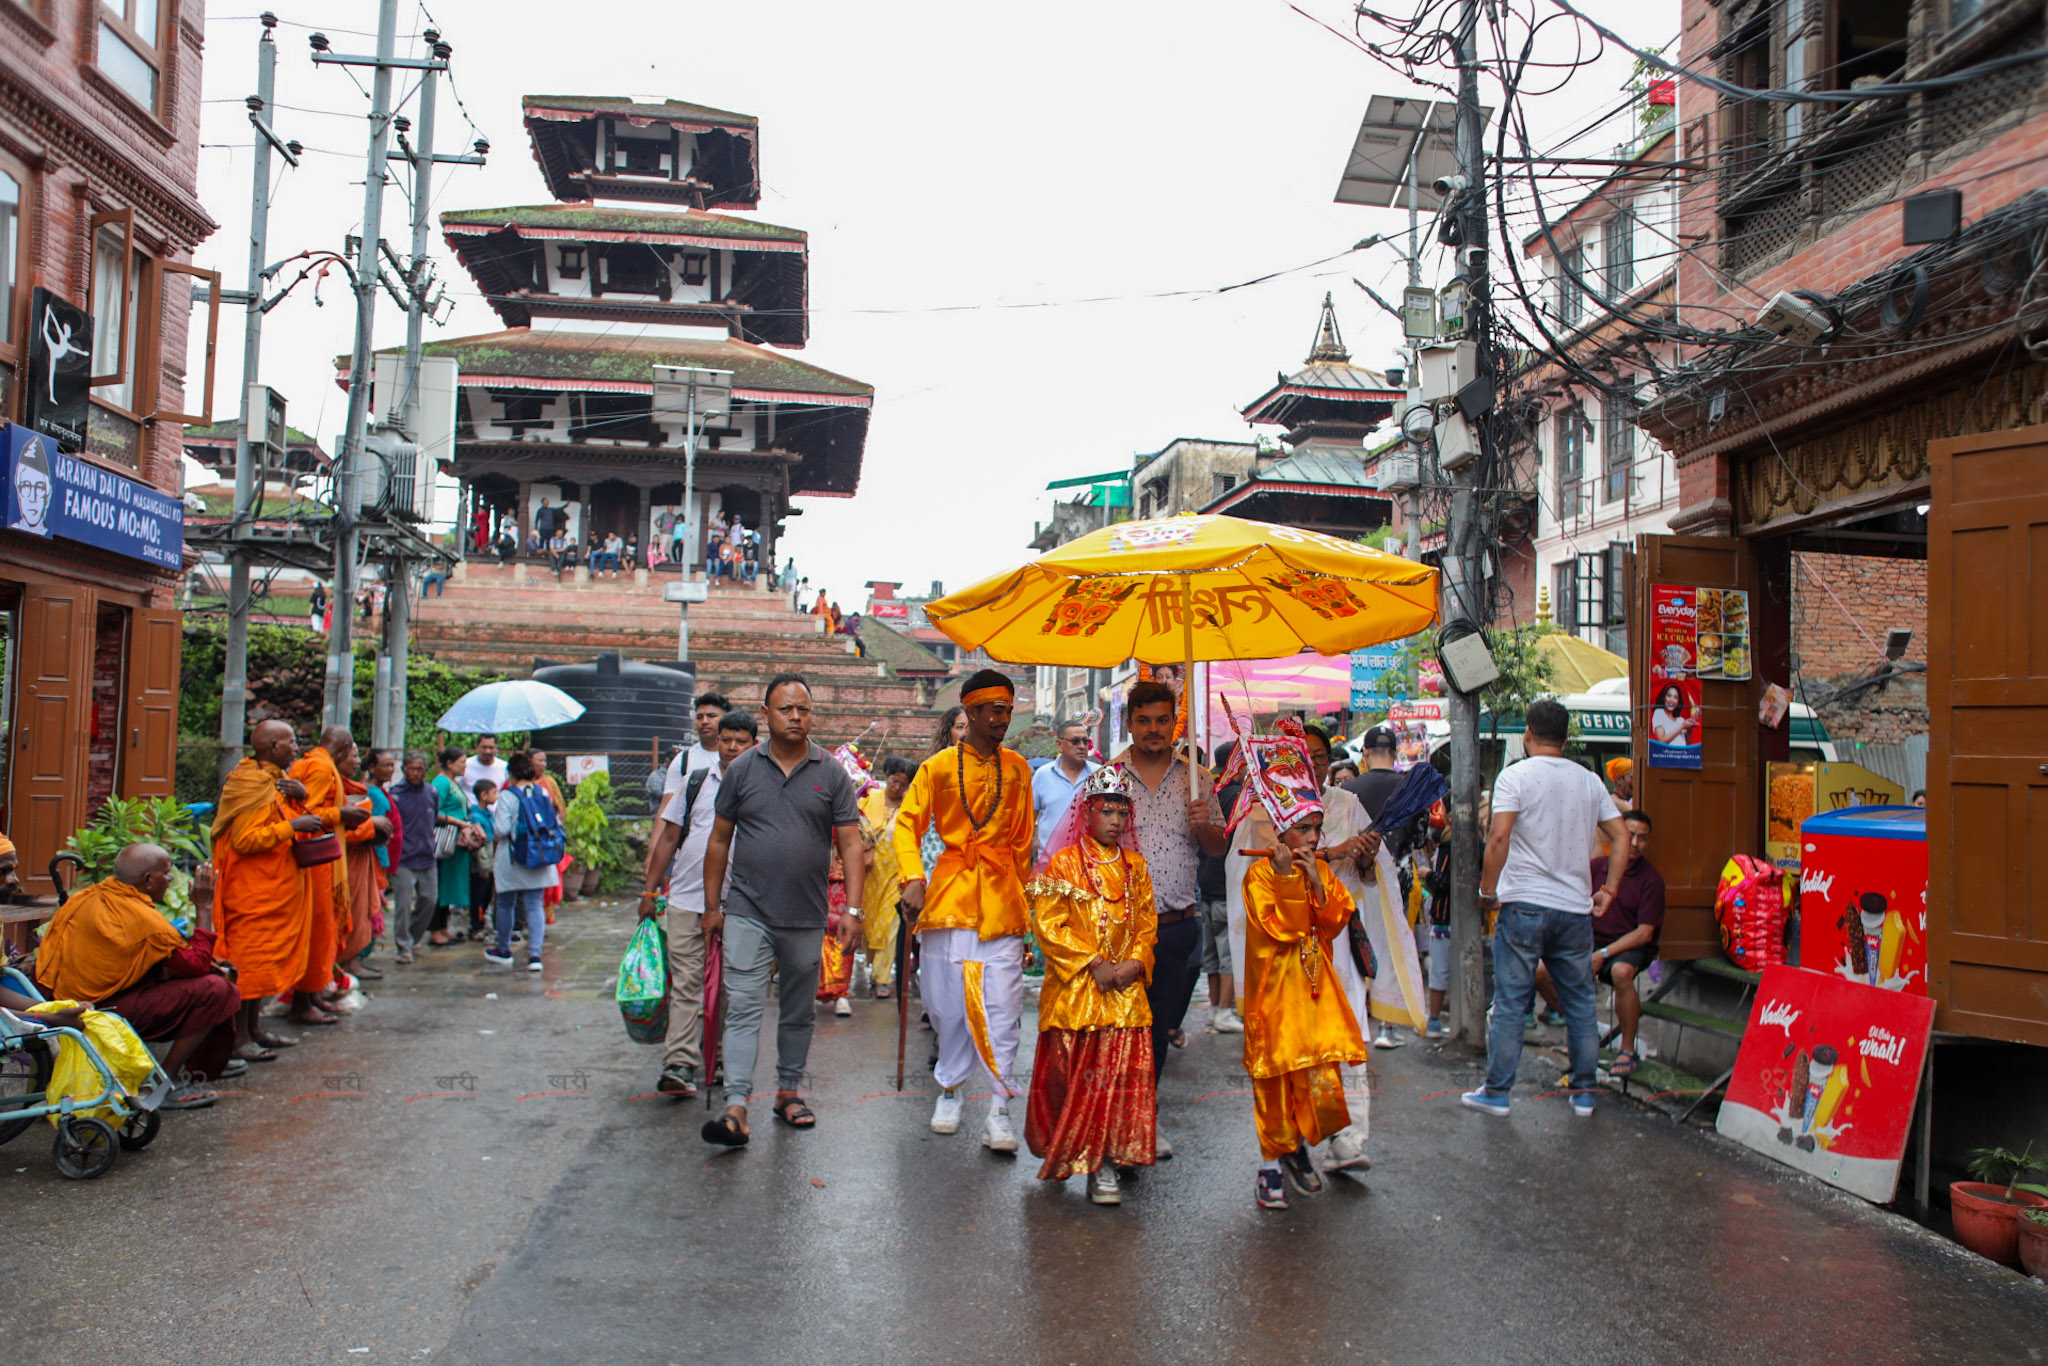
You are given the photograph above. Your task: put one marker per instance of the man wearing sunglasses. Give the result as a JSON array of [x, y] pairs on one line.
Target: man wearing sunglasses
[[1053, 786]]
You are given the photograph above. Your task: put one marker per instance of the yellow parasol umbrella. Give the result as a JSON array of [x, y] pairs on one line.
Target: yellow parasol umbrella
[[1197, 587]]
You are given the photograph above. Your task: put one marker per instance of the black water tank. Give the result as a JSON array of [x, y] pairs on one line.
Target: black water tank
[[627, 704]]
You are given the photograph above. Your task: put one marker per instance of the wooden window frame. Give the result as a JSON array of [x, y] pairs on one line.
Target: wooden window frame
[[107, 218], [14, 329], [150, 50], [204, 417]]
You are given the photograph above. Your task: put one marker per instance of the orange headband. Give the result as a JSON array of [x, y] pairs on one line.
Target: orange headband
[[988, 694]]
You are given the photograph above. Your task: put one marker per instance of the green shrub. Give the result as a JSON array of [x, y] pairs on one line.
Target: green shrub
[[121, 822]]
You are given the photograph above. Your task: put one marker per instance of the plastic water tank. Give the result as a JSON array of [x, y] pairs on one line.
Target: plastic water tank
[[626, 703]]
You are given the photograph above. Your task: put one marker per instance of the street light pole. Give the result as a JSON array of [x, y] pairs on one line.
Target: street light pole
[[1465, 594]]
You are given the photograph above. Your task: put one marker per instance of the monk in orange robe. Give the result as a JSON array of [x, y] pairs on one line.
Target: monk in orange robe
[[319, 771], [366, 877], [265, 905]]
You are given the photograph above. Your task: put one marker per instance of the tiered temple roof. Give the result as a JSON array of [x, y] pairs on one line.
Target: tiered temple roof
[[661, 152], [1329, 395]]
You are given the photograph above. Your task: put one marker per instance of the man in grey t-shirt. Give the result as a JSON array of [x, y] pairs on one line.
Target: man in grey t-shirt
[[1545, 810], [787, 802]]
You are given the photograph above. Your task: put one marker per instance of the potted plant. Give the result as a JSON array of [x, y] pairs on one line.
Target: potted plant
[[161, 821], [2033, 1231], [1987, 1209], [585, 826]]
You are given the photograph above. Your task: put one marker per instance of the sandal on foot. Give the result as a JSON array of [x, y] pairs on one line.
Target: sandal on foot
[[275, 1040], [1625, 1064], [795, 1114], [253, 1052], [725, 1131]]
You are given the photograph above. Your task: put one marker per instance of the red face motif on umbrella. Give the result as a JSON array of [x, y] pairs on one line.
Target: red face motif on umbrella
[[1086, 606], [1327, 598]]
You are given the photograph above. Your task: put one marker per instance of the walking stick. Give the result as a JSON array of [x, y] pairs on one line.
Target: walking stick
[[902, 987]]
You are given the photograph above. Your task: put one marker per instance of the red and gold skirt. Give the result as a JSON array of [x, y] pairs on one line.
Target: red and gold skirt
[[1092, 1101], [835, 964]]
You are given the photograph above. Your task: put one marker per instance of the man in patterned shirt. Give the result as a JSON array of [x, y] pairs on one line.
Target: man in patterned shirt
[[1173, 832]]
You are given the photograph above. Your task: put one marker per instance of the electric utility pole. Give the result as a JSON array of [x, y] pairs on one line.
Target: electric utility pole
[[234, 702], [421, 302], [340, 690], [1466, 596]]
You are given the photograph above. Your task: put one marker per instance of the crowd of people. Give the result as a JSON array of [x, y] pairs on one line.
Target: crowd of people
[[1120, 882], [316, 857]]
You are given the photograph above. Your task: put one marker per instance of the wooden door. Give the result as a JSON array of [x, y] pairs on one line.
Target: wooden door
[[50, 723], [1987, 757], [149, 763], [1702, 815]]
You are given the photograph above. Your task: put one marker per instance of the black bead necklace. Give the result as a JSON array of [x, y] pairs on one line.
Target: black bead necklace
[[960, 767]]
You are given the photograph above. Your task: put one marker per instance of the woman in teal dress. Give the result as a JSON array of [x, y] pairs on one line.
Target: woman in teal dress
[[454, 870]]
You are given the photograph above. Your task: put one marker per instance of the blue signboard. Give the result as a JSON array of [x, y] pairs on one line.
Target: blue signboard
[[1369, 668], [44, 492]]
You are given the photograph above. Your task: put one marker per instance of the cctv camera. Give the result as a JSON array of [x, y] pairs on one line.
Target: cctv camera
[[1448, 184]]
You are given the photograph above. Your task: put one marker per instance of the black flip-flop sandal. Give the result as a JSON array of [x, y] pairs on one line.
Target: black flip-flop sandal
[[795, 1114], [725, 1132]]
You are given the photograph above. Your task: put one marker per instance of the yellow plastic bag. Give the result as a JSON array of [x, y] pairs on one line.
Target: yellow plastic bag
[[72, 1074]]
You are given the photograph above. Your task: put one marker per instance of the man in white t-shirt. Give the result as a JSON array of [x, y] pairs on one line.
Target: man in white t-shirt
[[483, 764], [710, 709], [680, 838], [1545, 811]]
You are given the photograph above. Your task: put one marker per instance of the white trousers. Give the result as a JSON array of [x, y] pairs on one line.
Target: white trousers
[[951, 960]]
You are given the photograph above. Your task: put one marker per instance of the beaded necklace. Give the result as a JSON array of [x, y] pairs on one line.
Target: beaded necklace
[[1103, 901], [1311, 948], [960, 768]]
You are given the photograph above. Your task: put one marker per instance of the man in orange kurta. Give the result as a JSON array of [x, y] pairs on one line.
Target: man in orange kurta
[[265, 904], [970, 922], [319, 772]]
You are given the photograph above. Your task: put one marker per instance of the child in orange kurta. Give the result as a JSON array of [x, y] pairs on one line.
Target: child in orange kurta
[[1297, 1025]]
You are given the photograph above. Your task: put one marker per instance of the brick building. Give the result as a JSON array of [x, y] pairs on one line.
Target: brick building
[[99, 212], [1861, 215]]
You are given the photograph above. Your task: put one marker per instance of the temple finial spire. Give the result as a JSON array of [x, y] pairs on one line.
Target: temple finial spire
[[1329, 341]]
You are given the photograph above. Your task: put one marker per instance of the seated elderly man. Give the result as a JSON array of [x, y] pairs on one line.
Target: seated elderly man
[[110, 947], [10, 888]]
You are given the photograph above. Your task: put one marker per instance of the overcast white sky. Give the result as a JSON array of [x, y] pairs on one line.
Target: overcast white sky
[[947, 160]]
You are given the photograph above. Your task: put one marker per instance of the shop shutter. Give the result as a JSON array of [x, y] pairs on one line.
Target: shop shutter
[[1987, 754], [50, 730], [149, 764], [1704, 815]]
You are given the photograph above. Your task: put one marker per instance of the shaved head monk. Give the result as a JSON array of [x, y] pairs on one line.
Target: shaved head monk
[[319, 773], [110, 947], [266, 918]]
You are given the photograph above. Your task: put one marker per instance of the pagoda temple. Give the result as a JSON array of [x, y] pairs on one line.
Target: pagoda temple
[[1323, 479], [568, 416]]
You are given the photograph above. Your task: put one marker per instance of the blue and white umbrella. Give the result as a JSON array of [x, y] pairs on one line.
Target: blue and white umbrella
[[517, 704]]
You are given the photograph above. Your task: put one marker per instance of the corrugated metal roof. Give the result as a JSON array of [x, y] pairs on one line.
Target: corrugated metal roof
[[1317, 465]]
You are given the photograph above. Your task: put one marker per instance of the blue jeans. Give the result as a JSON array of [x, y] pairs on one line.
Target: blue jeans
[[510, 904], [1563, 942]]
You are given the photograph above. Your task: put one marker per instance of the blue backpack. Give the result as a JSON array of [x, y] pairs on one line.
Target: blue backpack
[[537, 839]]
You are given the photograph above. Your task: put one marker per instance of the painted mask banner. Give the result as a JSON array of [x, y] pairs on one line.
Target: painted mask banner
[[1674, 677], [1863, 896], [1827, 1076]]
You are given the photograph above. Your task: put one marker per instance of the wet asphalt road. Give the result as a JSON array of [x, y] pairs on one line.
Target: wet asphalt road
[[348, 1204]]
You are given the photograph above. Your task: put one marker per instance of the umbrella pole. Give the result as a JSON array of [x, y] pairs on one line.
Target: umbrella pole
[[1187, 673]]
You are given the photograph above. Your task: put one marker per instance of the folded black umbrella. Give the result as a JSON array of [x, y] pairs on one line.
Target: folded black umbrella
[[1421, 788]]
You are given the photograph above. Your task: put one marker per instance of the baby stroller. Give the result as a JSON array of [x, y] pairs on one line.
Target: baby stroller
[[86, 1145]]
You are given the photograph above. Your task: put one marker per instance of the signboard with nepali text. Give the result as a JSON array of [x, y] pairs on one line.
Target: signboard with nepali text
[[44, 492], [1826, 1078], [1369, 670]]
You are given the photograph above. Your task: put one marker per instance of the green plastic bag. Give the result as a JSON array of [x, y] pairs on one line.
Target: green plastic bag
[[643, 983]]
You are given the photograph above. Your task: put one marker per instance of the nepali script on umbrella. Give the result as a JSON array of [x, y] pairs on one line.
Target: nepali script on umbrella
[[1199, 587]]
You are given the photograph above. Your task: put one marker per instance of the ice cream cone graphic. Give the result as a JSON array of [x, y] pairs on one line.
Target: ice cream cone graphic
[[1893, 945], [1825, 1083], [1871, 915]]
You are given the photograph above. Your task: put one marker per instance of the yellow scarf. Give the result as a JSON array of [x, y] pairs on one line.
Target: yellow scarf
[[249, 785]]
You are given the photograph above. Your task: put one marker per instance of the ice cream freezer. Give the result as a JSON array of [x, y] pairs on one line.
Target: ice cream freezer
[[1863, 896]]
